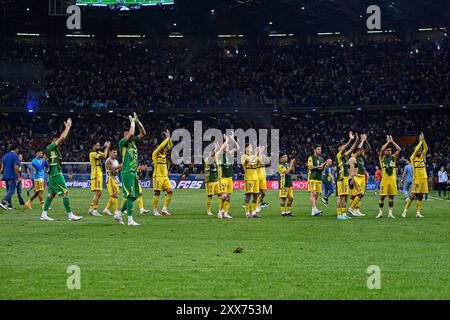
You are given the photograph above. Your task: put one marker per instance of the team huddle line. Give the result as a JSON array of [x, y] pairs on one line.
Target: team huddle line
[[350, 177]]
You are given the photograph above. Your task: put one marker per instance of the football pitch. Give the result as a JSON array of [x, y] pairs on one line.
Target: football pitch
[[190, 255]]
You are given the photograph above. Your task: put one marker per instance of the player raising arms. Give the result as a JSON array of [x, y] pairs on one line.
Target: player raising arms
[[38, 166], [161, 180], [112, 168], [388, 186], [251, 184], [56, 182], [212, 180], [420, 180], [262, 161], [315, 168], [95, 158], [129, 175], [225, 156], [342, 184], [358, 176], [285, 184]]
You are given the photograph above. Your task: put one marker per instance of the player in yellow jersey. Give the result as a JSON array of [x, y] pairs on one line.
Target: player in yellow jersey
[[357, 181], [420, 179], [315, 168], [225, 157], [285, 184], [161, 180], [112, 168], [251, 183], [342, 181], [95, 158], [263, 161], [388, 186]]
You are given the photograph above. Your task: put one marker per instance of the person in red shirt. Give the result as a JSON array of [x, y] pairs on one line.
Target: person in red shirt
[[377, 179]]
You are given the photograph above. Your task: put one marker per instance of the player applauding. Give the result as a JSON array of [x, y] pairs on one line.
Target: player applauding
[[56, 182], [129, 175]]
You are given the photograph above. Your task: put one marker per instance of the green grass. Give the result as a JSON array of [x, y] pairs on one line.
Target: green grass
[[190, 255]]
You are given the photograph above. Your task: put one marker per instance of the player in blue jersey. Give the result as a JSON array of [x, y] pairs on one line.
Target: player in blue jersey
[[38, 168]]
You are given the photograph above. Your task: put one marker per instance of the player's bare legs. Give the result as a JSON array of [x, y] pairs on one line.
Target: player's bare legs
[[94, 203]]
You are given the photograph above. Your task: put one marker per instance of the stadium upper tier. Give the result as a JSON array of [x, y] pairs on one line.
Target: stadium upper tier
[[86, 75]]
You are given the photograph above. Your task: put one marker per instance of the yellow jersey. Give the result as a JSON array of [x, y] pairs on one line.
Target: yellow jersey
[[261, 168], [418, 163], [250, 168], [96, 164], [159, 159]]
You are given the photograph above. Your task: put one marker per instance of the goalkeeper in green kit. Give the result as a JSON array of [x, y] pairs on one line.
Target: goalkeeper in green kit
[[129, 175], [56, 182]]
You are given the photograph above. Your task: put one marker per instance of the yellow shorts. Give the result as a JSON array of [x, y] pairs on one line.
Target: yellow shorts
[[161, 183], [251, 186], [342, 187], [286, 193], [97, 184], [112, 186], [359, 185], [388, 187], [262, 184], [38, 185], [213, 188], [315, 185], [420, 185], [226, 185]]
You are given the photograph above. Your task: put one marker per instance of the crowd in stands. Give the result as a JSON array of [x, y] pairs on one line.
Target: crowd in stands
[[298, 133], [112, 75]]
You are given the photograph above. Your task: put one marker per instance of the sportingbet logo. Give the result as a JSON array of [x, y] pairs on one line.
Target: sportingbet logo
[[184, 143], [73, 22]]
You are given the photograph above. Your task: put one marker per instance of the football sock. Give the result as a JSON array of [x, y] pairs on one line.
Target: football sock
[[115, 203], [123, 207], [167, 199], [140, 202], [220, 204], [254, 205], [47, 204], [408, 203], [381, 203], [208, 203], [66, 202], [129, 205], [288, 209], [419, 205], [226, 206], [109, 204], [338, 211], [155, 201], [246, 206], [283, 209]]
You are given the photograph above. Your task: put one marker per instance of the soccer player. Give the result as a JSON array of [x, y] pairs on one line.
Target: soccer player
[[388, 185], [212, 180], [285, 184], [407, 179], [56, 182], [262, 162], [95, 158], [225, 156], [342, 184], [357, 181], [161, 180], [38, 165], [11, 176], [251, 184], [129, 153], [112, 168], [377, 179], [327, 181], [140, 199], [315, 168], [420, 182]]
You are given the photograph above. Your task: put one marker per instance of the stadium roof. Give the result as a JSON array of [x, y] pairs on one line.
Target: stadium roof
[[213, 17]]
